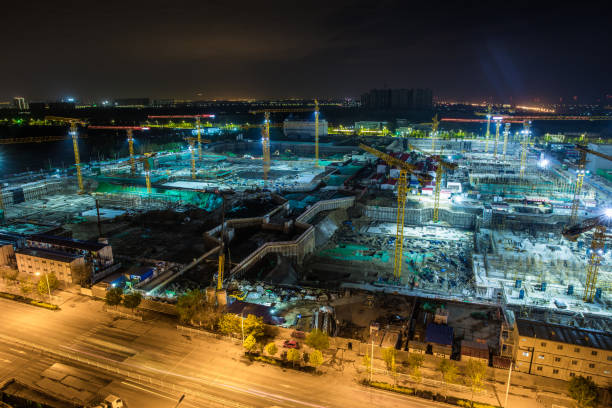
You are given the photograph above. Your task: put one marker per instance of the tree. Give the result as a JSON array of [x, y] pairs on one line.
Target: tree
[[415, 362], [318, 339], [250, 343], [12, 275], [366, 361], [113, 296], [449, 372], [42, 284], [316, 359], [475, 371], [229, 324], [190, 305], [27, 286], [388, 355], [293, 355], [254, 326], [584, 391], [132, 300], [271, 349]]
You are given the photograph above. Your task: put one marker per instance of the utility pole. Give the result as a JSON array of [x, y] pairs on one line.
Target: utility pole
[[508, 386]]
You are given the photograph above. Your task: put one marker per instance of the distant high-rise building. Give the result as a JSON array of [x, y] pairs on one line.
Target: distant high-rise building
[[20, 103], [385, 99]]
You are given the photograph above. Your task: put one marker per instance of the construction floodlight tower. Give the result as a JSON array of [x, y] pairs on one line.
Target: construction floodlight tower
[[488, 134], [73, 122], [402, 190], [498, 121], [525, 146], [197, 125], [506, 133]]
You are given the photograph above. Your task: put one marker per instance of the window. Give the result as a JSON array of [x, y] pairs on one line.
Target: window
[[541, 357], [593, 353], [543, 344], [572, 374], [555, 371], [525, 353], [577, 350], [606, 371], [559, 347], [574, 362], [539, 368], [589, 377], [591, 365], [609, 358], [557, 359]]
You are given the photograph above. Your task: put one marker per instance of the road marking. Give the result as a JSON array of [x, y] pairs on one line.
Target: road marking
[[146, 390], [4, 360], [17, 351]]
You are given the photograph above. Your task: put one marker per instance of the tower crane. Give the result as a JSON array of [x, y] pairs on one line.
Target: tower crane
[[442, 167], [196, 117], [265, 139], [73, 122], [580, 177], [599, 226], [506, 133], [130, 138], [434, 131], [402, 189], [525, 147], [147, 169]]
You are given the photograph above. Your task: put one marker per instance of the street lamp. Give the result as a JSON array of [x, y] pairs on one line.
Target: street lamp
[[48, 287]]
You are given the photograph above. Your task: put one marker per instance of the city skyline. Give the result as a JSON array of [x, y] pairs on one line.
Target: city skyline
[[517, 53]]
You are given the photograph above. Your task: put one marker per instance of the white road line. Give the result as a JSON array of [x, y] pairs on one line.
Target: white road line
[[17, 351]]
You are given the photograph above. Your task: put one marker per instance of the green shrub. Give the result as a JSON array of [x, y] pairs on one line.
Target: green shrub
[[44, 304], [390, 387], [7, 295]]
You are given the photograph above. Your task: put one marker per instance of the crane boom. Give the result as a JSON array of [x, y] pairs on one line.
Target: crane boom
[[73, 122]]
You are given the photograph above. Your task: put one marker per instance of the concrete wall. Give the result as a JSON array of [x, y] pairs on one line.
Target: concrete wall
[[419, 216]]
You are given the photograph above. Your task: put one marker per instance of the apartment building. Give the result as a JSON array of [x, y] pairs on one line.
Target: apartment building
[[97, 254], [563, 352], [38, 262]]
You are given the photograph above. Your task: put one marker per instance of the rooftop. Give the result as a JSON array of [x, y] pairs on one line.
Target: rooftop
[[565, 334], [67, 242], [47, 254]]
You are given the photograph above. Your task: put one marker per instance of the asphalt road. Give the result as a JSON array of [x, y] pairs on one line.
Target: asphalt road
[[213, 370]]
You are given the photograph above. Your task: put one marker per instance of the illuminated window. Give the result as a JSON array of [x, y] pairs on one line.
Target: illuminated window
[[541, 357]]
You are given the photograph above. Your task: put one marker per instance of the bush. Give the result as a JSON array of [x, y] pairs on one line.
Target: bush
[[318, 340], [271, 349], [44, 304], [7, 295], [389, 387]]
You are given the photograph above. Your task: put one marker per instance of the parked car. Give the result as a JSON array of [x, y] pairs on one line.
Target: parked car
[[298, 334], [291, 344], [111, 401]]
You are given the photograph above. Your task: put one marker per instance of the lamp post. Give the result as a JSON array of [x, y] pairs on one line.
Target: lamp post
[[48, 287], [508, 386]]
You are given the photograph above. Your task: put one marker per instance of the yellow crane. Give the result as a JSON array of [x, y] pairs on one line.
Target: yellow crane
[[73, 122], [599, 226], [198, 128], [147, 169], [442, 167], [130, 138], [580, 177], [434, 131], [265, 130], [402, 189], [498, 121]]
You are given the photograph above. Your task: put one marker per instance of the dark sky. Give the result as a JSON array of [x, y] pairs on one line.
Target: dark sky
[[260, 49]]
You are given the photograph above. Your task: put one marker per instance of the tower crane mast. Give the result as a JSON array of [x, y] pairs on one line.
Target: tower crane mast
[[73, 122], [198, 128], [402, 189], [130, 138]]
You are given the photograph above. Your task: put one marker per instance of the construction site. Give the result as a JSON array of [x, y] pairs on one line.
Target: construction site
[[352, 233]]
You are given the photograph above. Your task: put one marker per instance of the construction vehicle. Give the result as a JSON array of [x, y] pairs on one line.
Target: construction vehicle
[[580, 173], [402, 190], [599, 225], [265, 131], [198, 128], [442, 167], [130, 138], [73, 133]]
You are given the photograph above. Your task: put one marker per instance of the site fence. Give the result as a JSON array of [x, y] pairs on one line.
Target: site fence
[[419, 216], [334, 204]]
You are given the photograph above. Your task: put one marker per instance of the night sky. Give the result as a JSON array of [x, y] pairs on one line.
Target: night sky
[[503, 51]]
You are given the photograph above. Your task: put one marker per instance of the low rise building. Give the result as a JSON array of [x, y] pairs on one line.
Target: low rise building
[[563, 352], [38, 262], [473, 350], [7, 253], [97, 254], [440, 338]]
